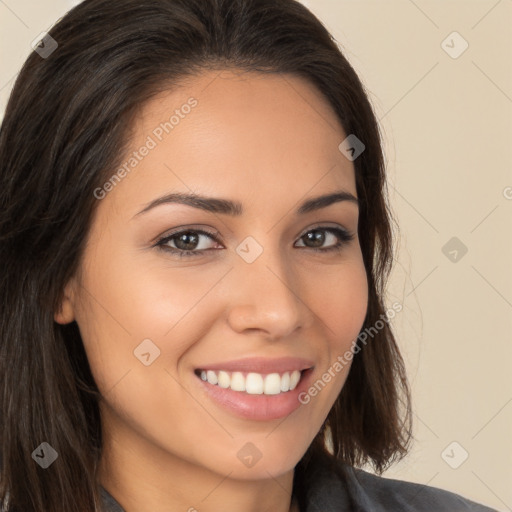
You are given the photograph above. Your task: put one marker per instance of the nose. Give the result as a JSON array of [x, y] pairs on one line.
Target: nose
[[266, 298]]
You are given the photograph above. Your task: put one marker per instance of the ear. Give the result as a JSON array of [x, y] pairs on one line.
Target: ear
[[66, 311]]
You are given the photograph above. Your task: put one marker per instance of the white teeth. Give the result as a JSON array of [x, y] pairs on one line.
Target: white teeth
[[253, 383], [285, 382], [211, 377], [272, 384], [224, 379], [294, 379], [237, 382]]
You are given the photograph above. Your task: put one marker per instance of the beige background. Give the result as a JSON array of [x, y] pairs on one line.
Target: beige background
[[447, 123]]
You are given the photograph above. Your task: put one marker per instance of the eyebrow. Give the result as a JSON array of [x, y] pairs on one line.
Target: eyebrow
[[235, 209]]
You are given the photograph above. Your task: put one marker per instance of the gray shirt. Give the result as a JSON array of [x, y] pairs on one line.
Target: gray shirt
[[360, 491]]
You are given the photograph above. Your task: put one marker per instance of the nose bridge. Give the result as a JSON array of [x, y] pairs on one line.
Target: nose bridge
[[266, 293]]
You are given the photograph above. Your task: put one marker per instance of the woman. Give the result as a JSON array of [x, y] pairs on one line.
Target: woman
[[195, 243]]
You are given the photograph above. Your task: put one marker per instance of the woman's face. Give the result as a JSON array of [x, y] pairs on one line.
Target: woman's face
[[255, 300]]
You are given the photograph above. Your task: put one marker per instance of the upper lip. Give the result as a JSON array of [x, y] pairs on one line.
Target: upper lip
[[261, 365]]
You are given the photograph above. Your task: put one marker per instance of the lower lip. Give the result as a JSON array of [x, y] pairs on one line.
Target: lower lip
[[258, 407]]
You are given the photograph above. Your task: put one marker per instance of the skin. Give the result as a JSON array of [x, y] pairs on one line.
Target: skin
[[269, 142]]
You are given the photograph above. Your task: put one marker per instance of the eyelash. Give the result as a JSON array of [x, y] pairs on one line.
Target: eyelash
[[343, 236]]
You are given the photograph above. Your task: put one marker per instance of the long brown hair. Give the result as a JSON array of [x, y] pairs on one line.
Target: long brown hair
[[64, 131]]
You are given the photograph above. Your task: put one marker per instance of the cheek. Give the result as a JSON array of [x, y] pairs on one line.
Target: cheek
[[341, 307], [123, 305], [341, 303]]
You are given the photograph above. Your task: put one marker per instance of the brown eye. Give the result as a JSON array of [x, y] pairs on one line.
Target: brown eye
[[315, 238], [186, 242]]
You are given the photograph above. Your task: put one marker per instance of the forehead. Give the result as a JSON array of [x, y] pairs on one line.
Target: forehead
[[239, 135]]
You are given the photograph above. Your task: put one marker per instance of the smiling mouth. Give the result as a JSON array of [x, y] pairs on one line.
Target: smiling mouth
[[253, 383]]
